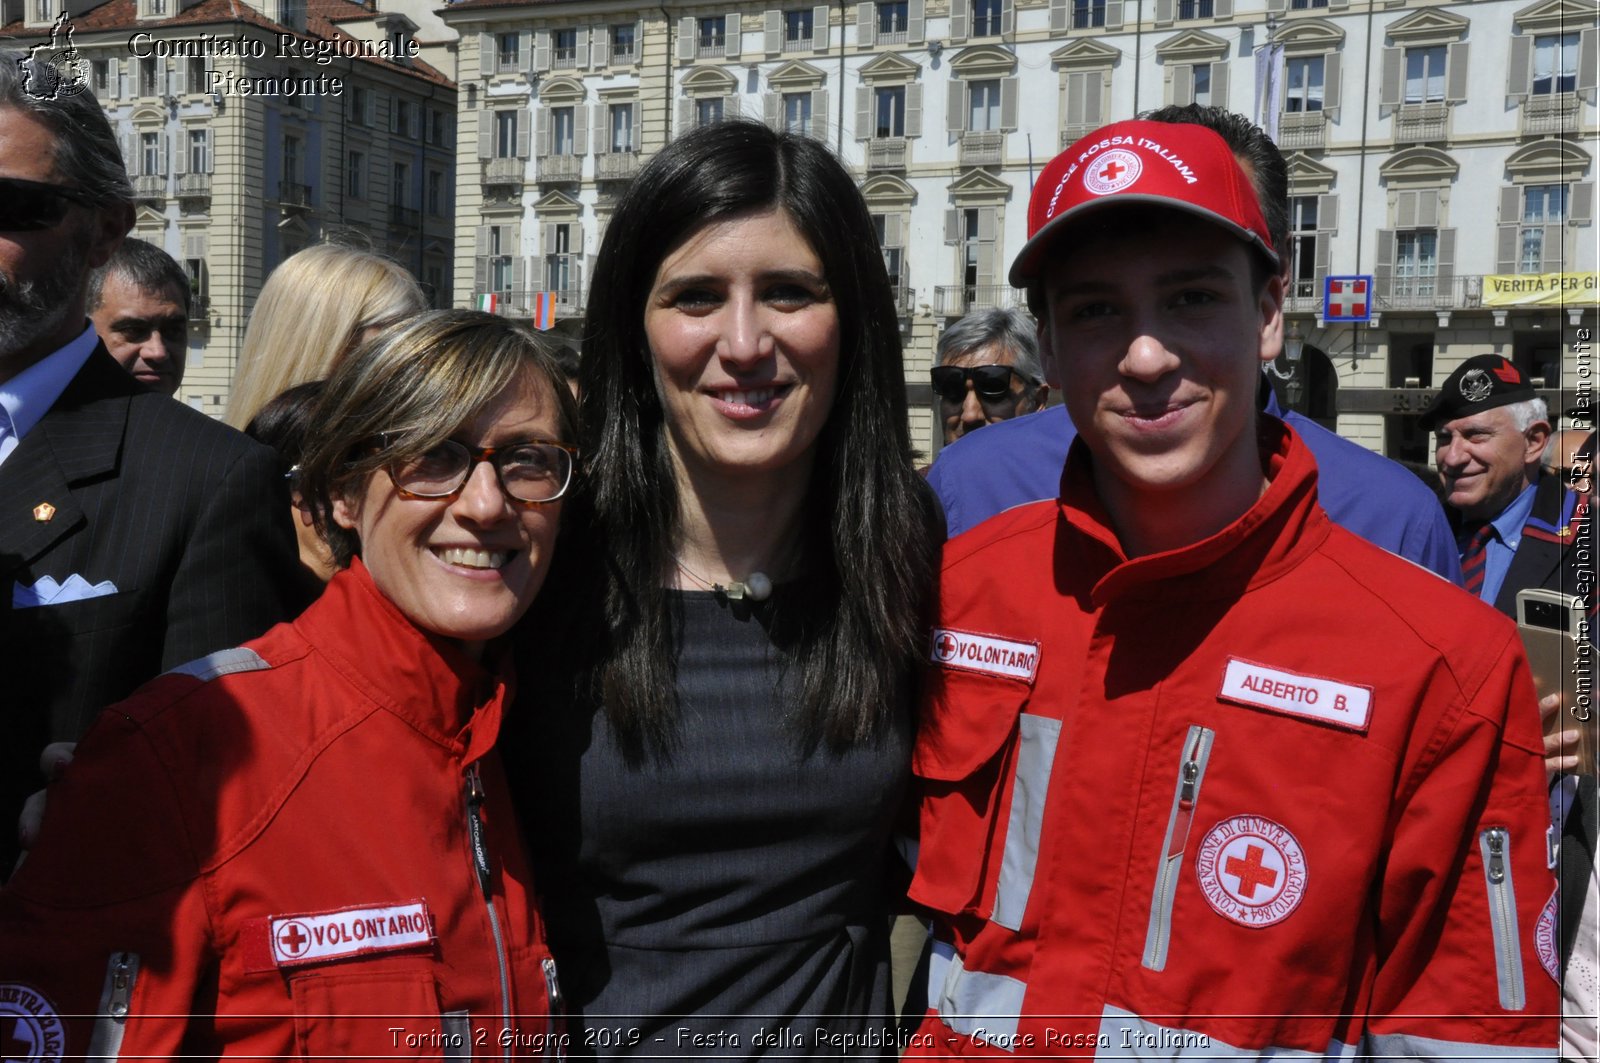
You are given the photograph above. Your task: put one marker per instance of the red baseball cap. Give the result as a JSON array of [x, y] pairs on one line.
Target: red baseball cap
[[1186, 167]]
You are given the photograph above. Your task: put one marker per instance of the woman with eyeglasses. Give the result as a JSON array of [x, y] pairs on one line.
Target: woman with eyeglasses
[[987, 369], [304, 846], [714, 752]]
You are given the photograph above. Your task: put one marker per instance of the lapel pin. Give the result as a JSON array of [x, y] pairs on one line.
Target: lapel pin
[[43, 512]]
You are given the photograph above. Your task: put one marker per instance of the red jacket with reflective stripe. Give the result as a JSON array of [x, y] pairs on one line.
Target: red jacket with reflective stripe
[[1277, 790], [279, 843]]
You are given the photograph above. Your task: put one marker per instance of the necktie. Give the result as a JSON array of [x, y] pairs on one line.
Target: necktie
[[1475, 555]]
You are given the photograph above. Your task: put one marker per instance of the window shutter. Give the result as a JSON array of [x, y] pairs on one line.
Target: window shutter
[[959, 19], [480, 273], [195, 245], [1588, 49], [114, 79], [486, 122], [865, 126], [1323, 258], [955, 118], [635, 131], [952, 226], [1330, 85], [368, 110], [547, 241], [913, 110], [1058, 16], [819, 113], [1008, 103], [1008, 17], [772, 32], [482, 237], [519, 274], [602, 128], [985, 256], [731, 107], [893, 230], [1389, 84], [686, 40], [541, 132], [583, 57], [1447, 264], [1277, 7], [986, 224], [1222, 9], [1113, 15], [580, 130], [1505, 244], [1182, 84], [1405, 210], [732, 35], [1328, 213], [1383, 268], [914, 22], [638, 41], [1581, 207], [600, 46], [820, 33], [1455, 73], [541, 51], [1163, 11], [1072, 99], [771, 109], [1553, 249], [685, 114], [1428, 208], [130, 154], [1519, 67], [866, 14]]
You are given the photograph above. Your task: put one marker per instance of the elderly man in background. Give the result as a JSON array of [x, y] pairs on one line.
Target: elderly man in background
[[139, 303], [988, 370], [136, 534]]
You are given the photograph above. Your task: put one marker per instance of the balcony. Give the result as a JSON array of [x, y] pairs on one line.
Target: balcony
[[797, 44], [1302, 131], [1553, 113], [199, 308], [194, 186], [1421, 123], [504, 171], [616, 165], [1071, 134], [905, 300], [560, 167], [887, 153], [404, 217], [148, 186], [569, 302], [711, 48], [564, 58], [982, 149], [294, 195], [890, 38], [955, 300]]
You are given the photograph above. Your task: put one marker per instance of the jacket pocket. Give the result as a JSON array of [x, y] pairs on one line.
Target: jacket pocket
[[1185, 796], [392, 1013]]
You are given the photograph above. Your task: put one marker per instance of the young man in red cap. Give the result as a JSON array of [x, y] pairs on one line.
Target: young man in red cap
[[1220, 777]]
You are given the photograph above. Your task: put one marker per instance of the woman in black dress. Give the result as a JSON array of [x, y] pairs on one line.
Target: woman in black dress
[[719, 743]]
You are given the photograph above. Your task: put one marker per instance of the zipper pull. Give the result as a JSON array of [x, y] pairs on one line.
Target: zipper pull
[[1191, 777], [121, 985], [1497, 855], [480, 850]]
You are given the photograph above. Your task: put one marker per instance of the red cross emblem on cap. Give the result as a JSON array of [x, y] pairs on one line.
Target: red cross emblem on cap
[[1111, 170]]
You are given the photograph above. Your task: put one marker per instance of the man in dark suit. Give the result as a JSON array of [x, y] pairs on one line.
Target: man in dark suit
[[136, 534]]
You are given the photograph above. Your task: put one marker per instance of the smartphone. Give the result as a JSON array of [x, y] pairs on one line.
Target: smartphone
[[1555, 632]]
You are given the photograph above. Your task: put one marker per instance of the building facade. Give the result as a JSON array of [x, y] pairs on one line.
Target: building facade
[[254, 128], [1446, 151]]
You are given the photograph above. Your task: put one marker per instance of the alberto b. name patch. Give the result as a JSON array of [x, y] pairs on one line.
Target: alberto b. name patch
[[1347, 705]]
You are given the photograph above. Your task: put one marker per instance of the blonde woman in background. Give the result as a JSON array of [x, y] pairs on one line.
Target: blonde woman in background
[[316, 306]]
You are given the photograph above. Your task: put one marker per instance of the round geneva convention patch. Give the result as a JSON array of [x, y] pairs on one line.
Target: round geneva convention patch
[[1251, 870]]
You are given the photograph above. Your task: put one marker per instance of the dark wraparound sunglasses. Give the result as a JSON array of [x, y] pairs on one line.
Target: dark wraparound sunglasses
[[26, 206], [991, 382]]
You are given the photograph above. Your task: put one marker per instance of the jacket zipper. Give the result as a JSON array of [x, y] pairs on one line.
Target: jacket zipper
[[1191, 772], [116, 1001], [480, 864], [1495, 845], [555, 1043]]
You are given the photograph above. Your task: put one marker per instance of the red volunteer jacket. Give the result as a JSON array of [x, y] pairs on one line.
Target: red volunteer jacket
[[300, 847], [1275, 792]]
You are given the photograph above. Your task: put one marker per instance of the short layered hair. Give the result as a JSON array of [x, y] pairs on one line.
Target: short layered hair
[[1011, 328], [147, 267]]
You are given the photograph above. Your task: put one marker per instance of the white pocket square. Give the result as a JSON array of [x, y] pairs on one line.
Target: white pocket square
[[46, 591]]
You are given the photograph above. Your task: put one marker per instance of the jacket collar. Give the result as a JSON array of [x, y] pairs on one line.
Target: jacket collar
[[425, 680], [1276, 533]]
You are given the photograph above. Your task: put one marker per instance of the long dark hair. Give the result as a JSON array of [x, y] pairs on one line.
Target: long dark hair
[[869, 541]]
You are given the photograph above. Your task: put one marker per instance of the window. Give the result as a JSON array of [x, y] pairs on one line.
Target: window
[[507, 52], [149, 84], [797, 112], [890, 107], [150, 153], [976, 228], [1306, 5], [1303, 84], [708, 111], [1555, 63], [44, 10], [1195, 9], [712, 35], [100, 73], [559, 271], [1424, 74], [563, 130], [402, 118], [894, 19], [199, 151], [1088, 14], [400, 186], [1416, 261], [797, 29], [985, 18], [359, 100], [888, 228], [983, 112], [438, 128], [155, 7], [619, 120], [622, 43], [564, 48], [500, 270], [1542, 205], [505, 134], [197, 74], [290, 178], [356, 175], [1303, 246], [435, 193], [196, 269], [1202, 85]]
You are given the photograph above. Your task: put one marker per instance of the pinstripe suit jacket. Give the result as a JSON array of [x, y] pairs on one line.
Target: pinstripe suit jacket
[[187, 517]]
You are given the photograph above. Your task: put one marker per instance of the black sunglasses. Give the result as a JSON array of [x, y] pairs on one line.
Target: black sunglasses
[[26, 206], [991, 382]]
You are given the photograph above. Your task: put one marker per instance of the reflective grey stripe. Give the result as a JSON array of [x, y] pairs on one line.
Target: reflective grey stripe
[[1036, 755], [973, 1002], [221, 663], [116, 1004], [457, 1035], [1124, 1035], [1409, 1046], [1185, 796], [1494, 845]]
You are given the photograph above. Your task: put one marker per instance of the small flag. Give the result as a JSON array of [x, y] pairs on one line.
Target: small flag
[[544, 310], [489, 303]]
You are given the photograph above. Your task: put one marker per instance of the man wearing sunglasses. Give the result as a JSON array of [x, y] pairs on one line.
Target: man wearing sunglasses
[[139, 303], [136, 534], [987, 371]]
